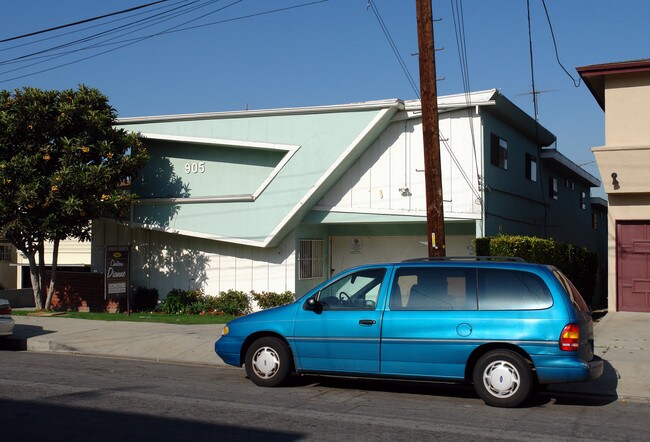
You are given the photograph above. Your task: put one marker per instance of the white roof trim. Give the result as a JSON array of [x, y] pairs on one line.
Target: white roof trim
[[419, 215], [220, 142], [202, 235], [366, 105]]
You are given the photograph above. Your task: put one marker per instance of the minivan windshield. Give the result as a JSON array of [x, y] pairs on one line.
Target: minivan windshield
[[576, 298]]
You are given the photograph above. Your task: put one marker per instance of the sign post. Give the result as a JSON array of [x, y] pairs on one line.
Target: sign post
[[116, 274]]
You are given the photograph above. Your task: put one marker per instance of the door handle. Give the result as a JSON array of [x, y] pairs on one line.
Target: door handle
[[367, 322]]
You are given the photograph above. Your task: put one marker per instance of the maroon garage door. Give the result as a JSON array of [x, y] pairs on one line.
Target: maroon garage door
[[633, 266]]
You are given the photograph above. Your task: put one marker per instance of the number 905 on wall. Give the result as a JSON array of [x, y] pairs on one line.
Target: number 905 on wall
[[195, 167]]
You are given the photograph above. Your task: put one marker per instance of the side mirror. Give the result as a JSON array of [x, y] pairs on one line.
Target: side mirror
[[313, 304]]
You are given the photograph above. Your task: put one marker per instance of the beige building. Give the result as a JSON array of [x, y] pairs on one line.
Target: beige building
[[623, 91], [14, 267]]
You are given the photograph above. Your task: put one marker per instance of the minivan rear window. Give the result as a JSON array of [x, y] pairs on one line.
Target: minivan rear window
[[576, 298], [512, 290]]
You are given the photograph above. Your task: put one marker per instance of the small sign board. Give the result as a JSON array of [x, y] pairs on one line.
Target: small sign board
[[116, 272]]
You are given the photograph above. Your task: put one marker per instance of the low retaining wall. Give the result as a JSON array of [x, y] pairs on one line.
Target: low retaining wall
[[18, 298], [80, 291]]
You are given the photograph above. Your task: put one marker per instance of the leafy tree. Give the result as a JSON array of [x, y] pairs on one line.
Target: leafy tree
[[62, 164]]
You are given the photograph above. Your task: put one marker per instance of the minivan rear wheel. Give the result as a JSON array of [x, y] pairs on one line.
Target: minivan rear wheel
[[502, 378], [268, 362]]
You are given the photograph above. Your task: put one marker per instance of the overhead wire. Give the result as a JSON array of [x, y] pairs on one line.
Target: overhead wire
[[412, 82], [79, 30], [126, 42], [393, 46], [576, 83], [537, 143], [109, 31], [461, 43], [56, 28], [160, 20]]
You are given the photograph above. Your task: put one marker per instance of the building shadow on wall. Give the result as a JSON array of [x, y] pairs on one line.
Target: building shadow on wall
[[162, 185], [183, 265], [185, 268]]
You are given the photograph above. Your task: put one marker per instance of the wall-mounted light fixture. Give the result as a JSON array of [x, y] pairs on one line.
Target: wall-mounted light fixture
[[615, 182]]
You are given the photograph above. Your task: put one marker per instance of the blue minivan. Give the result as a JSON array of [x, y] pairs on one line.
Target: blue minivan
[[506, 326]]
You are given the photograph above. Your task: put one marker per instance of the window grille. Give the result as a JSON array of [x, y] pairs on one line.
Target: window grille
[[5, 253], [311, 259]]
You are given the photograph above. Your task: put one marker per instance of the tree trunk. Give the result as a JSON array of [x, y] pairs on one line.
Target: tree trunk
[[36, 282], [55, 260], [41, 270]]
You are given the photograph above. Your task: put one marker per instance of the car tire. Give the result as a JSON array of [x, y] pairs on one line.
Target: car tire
[[268, 362], [502, 378]]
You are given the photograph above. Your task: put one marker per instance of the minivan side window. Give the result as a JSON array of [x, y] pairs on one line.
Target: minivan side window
[[433, 288], [512, 290], [357, 291]]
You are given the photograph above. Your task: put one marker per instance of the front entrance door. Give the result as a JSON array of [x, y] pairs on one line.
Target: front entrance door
[[633, 266]]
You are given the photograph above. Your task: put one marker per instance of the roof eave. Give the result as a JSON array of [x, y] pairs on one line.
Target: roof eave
[[366, 105], [594, 75], [557, 157]]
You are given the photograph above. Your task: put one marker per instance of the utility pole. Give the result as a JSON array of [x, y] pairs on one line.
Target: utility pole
[[430, 130]]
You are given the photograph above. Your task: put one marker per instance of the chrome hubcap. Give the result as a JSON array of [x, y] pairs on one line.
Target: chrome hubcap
[[266, 362], [501, 379]]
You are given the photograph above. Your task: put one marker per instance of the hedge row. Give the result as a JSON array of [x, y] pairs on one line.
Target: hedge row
[[192, 302], [578, 263]]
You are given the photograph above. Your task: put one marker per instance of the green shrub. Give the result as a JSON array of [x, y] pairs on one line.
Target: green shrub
[[179, 301], [144, 299], [272, 299], [233, 302]]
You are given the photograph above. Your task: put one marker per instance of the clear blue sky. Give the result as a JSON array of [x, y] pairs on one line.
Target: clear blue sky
[[328, 53]]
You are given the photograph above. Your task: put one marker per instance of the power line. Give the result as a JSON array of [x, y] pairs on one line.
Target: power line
[[56, 28], [127, 42], [461, 43], [391, 42], [178, 13], [101, 34], [557, 56], [537, 143]]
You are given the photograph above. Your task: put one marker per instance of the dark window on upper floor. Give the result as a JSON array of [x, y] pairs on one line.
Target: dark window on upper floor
[[569, 184], [552, 188], [583, 200], [499, 152], [531, 167]]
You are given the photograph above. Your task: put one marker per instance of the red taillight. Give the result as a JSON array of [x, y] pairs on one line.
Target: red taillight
[[570, 338], [5, 309]]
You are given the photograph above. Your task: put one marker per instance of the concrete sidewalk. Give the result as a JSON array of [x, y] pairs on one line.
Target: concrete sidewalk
[[622, 340], [192, 344]]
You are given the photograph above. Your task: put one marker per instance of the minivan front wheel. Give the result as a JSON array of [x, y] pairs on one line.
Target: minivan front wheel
[[502, 378], [268, 362]]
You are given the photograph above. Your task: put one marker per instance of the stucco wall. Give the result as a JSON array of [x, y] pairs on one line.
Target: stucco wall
[[626, 116], [628, 162]]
